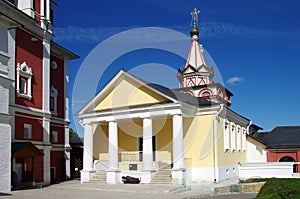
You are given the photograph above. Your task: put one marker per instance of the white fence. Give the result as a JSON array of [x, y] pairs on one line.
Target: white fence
[[269, 170]]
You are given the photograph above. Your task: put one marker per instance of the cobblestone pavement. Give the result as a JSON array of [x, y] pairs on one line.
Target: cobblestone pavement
[[74, 190]]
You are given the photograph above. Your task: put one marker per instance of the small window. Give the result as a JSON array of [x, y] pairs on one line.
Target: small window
[[238, 138], [27, 130], [53, 100], [226, 136], [54, 136], [52, 104], [24, 76], [233, 135], [206, 94], [23, 86]]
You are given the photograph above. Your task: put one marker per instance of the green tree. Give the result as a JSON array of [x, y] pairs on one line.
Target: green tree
[[73, 134]]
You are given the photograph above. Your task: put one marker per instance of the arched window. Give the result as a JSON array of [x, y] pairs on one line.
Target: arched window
[[53, 100], [287, 159], [24, 76], [205, 93]]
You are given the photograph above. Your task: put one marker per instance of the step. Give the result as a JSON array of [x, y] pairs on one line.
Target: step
[[163, 175], [99, 177]]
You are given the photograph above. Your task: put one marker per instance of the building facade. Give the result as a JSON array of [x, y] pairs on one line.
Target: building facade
[[34, 91], [282, 144], [185, 135]]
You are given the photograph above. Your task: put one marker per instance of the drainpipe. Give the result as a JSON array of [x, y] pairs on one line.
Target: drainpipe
[[216, 173], [248, 127]]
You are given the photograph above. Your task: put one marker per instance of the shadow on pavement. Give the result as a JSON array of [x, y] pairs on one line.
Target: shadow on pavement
[[5, 194]]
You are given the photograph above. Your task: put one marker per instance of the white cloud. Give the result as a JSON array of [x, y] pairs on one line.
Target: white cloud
[[207, 29], [235, 80]]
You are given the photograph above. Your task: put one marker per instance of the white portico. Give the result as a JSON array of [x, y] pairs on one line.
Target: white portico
[[140, 120]]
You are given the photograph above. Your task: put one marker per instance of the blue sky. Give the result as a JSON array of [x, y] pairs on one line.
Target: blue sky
[[254, 44]]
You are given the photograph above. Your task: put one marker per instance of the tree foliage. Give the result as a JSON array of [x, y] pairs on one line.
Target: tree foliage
[[73, 134]]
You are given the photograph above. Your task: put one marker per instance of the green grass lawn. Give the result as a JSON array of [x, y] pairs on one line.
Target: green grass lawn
[[276, 188]]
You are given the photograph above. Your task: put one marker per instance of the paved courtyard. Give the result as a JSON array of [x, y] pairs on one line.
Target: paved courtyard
[[73, 189]]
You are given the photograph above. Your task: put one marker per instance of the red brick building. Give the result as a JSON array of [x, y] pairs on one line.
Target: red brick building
[[282, 144], [38, 93]]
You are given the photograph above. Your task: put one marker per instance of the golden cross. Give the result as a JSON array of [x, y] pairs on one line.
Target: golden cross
[[195, 14]]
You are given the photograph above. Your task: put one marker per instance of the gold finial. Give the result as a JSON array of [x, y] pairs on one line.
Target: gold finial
[[194, 30], [195, 14]]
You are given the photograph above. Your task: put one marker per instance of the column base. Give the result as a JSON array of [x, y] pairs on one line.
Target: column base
[[86, 175], [113, 177], [179, 176], [147, 176]]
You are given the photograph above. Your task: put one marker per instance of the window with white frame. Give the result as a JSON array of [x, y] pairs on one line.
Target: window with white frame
[[233, 141], [27, 131], [244, 132], [54, 136], [23, 86], [226, 136], [24, 76], [238, 138], [53, 100]]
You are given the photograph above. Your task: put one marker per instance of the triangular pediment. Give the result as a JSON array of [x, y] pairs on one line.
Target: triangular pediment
[[206, 70], [189, 69], [203, 69], [125, 91]]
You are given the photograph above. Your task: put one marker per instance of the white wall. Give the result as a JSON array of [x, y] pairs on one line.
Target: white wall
[[267, 170], [199, 175], [228, 172], [256, 153]]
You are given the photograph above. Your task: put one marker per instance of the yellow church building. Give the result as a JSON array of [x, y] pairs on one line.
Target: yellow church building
[[186, 135]]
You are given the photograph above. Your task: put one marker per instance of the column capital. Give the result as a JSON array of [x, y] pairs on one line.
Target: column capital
[[111, 119], [145, 116], [85, 123], [176, 112]]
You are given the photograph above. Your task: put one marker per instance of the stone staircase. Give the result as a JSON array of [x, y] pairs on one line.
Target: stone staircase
[[162, 175], [99, 177]]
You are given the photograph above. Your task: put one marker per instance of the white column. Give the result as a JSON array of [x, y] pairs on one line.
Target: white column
[[66, 88], [147, 145], [88, 148], [87, 171], [27, 7], [42, 13], [67, 121], [5, 154], [113, 174], [178, 170], [67, 153], [47, 149], [47, 9], [46, 161], [46, 76], [113, 150], [178, 149], [46, 110]]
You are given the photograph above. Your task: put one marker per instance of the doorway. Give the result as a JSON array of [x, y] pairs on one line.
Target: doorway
[[140, 147]]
